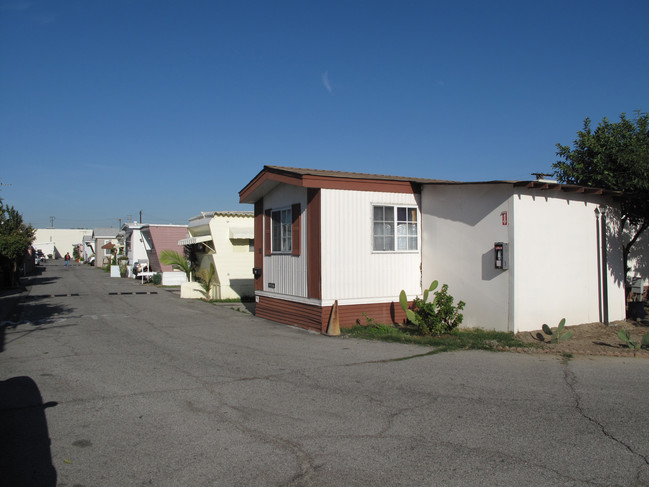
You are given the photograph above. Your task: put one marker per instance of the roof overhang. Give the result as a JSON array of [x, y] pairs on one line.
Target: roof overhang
[[195, 240], [568, 188], [541, 185], [199, 226], [242, 233], [271, 176]]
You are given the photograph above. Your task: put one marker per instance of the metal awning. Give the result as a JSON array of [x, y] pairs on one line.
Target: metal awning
[[195, 240], [245, 233]]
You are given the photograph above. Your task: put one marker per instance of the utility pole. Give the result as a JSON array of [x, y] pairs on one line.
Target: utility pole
[[52, 221], [140, 216]]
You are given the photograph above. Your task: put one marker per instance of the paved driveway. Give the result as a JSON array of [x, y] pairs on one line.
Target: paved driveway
[[149, 389]]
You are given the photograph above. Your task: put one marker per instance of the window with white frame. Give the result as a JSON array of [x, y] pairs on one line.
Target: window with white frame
[[281, 230], [395, 228]]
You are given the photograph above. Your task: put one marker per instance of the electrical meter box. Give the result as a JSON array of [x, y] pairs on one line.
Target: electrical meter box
[[501, 255]]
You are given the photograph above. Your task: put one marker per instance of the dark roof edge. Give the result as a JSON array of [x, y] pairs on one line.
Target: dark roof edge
[[537, 184]]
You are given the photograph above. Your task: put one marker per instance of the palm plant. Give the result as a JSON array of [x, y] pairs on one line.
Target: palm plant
[[177, 261], [206, 279]]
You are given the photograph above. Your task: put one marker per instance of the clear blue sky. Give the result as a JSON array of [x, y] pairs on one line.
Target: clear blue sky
[[109, 108]]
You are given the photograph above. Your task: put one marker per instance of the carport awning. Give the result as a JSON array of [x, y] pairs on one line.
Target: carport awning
[[195, 240], [246, 233]]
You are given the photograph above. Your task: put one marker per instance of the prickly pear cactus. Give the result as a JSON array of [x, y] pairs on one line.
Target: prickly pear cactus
[[403, 301], [625, 336], [556, 337]]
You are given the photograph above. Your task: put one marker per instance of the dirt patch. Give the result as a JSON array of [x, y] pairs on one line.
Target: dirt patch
[[592, 339]]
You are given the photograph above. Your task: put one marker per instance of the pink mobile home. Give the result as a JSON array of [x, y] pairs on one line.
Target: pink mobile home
[[145, 241]]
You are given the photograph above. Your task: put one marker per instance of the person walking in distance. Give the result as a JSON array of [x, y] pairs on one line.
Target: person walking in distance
[[67, 260]]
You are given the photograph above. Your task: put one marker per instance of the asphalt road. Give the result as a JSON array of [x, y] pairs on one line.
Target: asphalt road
[[149, 389]]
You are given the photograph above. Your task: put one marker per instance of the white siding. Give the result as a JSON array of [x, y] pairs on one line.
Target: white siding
[[138, 249], [351, 271], [287, 272], [556, 259], [460, 226]]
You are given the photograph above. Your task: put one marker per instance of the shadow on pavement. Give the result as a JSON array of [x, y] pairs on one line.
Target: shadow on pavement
[[25, 455], [37, 278], [21, 324]]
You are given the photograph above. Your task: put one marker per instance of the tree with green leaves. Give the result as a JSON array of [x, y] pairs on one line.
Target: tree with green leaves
[[614, 156], [15, 240]]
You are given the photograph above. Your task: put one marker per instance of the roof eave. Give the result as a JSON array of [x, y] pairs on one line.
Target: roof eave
[[270, 177]]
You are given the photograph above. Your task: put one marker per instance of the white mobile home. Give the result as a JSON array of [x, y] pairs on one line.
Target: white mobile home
[[225, 239], [520, 254]]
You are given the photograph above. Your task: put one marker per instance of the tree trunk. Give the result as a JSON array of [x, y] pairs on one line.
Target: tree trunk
[[626, 250]]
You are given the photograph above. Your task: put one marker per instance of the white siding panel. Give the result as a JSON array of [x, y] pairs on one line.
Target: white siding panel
[[287, 272], [351, 271]]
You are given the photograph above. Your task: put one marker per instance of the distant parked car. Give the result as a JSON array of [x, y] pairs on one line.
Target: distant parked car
[[40, 257]]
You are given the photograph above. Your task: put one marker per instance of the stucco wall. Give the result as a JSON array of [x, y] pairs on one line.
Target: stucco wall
[[460, 226], [352, 272], [64, 239], [558, 259], [554, 255]]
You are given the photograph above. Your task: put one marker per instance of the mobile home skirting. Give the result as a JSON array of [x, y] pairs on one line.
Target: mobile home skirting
[[316, 317]]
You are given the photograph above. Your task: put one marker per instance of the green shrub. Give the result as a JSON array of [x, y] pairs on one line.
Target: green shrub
[[123, 268], [438, 317], [156, 278]]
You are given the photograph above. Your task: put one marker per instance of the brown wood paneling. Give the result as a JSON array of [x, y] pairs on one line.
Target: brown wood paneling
[[259, 243], [350, 315], [329, 181], [267, 225], [361, 185], [314, 317], [296, 231], [289, 312], [263, 176], [313, 243]]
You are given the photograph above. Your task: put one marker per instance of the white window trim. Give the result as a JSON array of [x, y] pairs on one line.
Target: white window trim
[[395, 250]]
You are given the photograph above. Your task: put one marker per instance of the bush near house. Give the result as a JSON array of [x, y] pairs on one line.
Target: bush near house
[[436, 317], [15, 239]]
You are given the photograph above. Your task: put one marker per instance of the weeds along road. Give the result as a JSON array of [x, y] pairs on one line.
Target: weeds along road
[[149, 389]]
